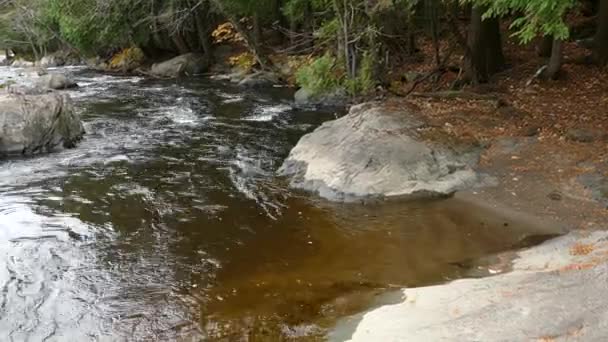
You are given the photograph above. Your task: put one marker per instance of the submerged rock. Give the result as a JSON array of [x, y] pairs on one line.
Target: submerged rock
[[185, 65], [377, 151], [37, 123], [56, 81]]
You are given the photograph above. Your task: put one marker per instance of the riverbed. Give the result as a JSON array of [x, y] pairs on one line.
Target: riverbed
[[167, 222]]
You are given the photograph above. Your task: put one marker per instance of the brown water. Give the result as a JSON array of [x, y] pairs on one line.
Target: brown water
[[167, 223]]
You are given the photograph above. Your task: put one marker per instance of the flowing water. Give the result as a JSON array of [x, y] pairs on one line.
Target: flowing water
[[167, 223]]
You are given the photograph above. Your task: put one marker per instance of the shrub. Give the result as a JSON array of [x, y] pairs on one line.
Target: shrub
[[323, 74]]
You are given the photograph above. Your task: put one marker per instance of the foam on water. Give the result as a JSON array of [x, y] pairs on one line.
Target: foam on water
[[268, 112]]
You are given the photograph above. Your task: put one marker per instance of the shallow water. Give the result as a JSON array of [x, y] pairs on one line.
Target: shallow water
[[167, 223]]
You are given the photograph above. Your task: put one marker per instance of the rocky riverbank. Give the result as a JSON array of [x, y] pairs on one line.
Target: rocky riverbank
[[543, 292]]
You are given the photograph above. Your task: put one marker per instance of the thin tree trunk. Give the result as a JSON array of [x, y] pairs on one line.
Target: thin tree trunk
[[257, 29], [600, 44], [308, 23], [180, 43], [203, 30], [293, 29], [555, 62]]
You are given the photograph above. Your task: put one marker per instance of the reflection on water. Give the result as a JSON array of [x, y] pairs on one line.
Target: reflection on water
[[167, 223]]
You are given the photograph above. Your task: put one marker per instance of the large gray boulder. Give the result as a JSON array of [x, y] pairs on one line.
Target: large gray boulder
[[379, 152], [56, 81], [184, 65], [37, 123]]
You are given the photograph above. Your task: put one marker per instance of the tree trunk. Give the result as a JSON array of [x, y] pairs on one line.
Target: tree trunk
[[555, 62], [203, 30], [257, 29], [545, 47], [484, 55], [180, 43], [600, 44]]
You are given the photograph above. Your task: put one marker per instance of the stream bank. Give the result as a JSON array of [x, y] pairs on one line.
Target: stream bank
[[542, 292]]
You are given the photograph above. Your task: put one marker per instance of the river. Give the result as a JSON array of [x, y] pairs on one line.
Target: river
[[167, 222]]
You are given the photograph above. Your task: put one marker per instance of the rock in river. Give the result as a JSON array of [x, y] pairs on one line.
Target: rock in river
[[378, 150], [56, 81], [188, 64], [37, 123]]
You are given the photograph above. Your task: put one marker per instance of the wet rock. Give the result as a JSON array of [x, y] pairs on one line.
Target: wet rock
[[376, 151], [185, 65], [583, 135], [20, 63], [259, 79], [51, 61], [37, 123], [304, 97], [56, 81]]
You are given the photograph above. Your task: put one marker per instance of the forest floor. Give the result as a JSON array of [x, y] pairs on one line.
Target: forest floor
[[546, 145], [547, 140]]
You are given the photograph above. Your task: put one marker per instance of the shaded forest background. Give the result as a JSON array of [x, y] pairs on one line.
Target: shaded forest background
[[355, 45]]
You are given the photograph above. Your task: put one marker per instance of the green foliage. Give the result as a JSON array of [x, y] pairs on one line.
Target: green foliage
[[322, 75], [296, 10], [326, 74], [538, 17], [365, 80], [328, 30], [90, 28]]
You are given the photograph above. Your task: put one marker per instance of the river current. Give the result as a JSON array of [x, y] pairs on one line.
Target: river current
[[167, 222]]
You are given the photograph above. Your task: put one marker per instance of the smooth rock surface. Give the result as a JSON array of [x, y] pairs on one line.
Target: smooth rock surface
[[259, 79], [185, 65], [377, 151], [555, 292], [37, 123]]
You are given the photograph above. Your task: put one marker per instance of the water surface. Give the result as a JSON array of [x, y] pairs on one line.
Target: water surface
[[167, 223]]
